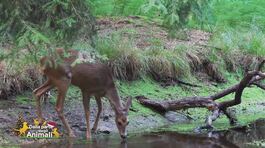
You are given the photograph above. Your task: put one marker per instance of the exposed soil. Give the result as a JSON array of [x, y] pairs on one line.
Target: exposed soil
[[144, 32]]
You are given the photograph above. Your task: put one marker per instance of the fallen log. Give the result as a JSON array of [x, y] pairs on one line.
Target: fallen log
[[185, 103], [251, 78]]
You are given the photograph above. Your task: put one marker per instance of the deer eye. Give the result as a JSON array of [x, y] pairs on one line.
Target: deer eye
[[119, 123]]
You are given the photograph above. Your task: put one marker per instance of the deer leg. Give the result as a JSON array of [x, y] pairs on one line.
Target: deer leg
[[62, 89], [46, 97], [45, 84], [99, 103], [37, 94], [86, 103]]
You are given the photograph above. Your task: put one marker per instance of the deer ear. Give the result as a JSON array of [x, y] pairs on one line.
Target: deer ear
[[128, 104]]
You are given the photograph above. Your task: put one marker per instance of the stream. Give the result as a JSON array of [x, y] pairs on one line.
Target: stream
[[233, 138]]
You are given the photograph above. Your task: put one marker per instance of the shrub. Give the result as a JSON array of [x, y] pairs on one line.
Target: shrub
[[44, 23], [163, 64]]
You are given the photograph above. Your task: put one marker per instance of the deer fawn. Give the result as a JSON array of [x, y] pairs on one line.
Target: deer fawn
[[93, 80]]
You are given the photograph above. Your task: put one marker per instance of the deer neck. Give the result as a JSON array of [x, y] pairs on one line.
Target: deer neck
[[117, 106]]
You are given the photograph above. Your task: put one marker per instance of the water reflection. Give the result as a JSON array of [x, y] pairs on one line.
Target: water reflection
[[237, 137]]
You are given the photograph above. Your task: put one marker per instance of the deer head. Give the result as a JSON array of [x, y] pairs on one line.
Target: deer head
[[45, 62], [59, 57], [122, 120], [49, 65]]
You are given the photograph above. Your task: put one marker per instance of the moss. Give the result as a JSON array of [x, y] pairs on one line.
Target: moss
[[151, 89], [24, 100], [139, 110]]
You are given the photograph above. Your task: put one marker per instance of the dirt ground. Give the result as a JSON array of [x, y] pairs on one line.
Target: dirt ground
[[143, 31]]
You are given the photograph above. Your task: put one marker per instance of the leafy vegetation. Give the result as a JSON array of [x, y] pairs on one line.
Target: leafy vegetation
[[43, 23], [175, 14], [116, 7], [238, 13], [249, 42]]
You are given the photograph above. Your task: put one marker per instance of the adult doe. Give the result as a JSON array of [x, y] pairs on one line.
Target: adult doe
[[93, 80]]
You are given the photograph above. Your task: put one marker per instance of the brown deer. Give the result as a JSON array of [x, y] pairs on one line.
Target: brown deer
[[93, 80]]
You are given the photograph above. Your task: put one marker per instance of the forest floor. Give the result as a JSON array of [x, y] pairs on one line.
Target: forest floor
[[141, 119]]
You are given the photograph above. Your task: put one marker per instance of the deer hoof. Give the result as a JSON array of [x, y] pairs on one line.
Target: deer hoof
[[72, 135], [88, 136]]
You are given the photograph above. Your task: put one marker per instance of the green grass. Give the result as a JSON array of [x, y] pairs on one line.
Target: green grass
[[239, 26], [239, 13], [24, 100], [152, 61], [226, 13], [251, 41], [117, 7], [113, 46], [151, 89]]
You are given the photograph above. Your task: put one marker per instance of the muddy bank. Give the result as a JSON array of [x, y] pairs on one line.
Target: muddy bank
[[10, 111]]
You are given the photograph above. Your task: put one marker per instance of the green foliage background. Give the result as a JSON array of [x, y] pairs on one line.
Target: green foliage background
[[43, 23]]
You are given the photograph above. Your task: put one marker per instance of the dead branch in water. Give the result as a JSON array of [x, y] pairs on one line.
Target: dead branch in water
[[251, 78]]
